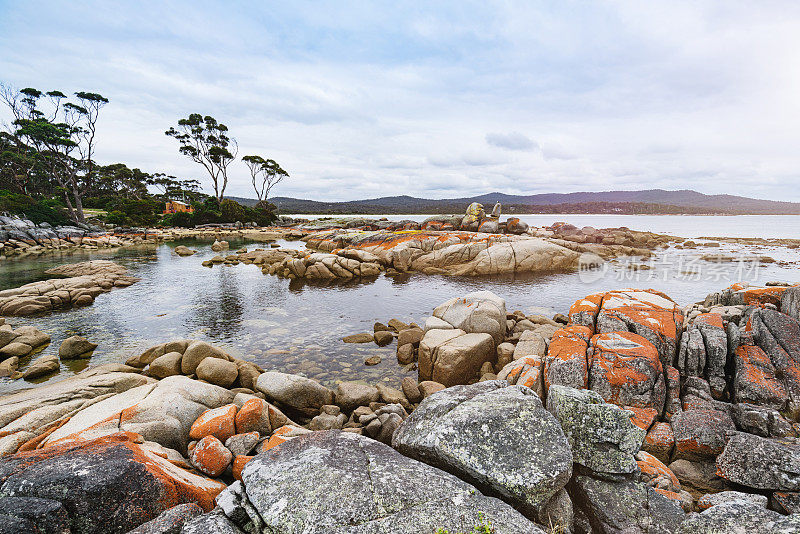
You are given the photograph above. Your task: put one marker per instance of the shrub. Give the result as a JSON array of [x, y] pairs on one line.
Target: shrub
[[231, 211], [181, 218], [117, 218]]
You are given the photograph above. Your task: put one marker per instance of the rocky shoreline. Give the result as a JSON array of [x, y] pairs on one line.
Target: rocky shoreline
[[628, 414]]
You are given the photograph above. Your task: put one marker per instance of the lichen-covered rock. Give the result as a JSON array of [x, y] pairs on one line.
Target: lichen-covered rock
[[496, 436], [660, 441], [626, 370], [760, 463], [700, 434], [624, 506], [602, 436], [210, 456], [217, 422], [109, 484], [712, 499], [739, 516], [566, 363], [33, 514], [257, 415], [526, 372], [334, 481], [778, 335], [648, 313], [170, 521], [755, 379]]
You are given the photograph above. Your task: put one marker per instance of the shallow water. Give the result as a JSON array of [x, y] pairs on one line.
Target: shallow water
[[297, 327]]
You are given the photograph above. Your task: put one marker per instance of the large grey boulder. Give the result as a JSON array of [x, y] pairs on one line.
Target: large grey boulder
[[602, 436], [739, 516], [297, 392], [496, 436], [624, 507], [339, 482], [761, 463], [477, 312]]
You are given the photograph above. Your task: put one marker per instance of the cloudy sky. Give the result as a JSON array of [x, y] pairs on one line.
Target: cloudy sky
[[438, 99]]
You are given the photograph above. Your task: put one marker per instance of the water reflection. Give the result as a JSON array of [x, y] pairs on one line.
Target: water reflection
[[297, 326]]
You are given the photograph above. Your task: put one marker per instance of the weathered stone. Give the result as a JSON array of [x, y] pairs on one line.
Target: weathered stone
[[76, 347], [170, 521], [242, 444], [196, 352], [350, 395], [700, 434], [760, 463], [624, 506], [480, 312], [602, 436], [739, 516], [428, 388], [43, 366], [298, 393], [364, 337], [167, 365], [496, 436], [33, 514], [411, 389], [217, 422], [340, 482], [455, 360], [712, 499], [217, 371]]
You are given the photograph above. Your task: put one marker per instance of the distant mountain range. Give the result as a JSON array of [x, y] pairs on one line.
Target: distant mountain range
[[651, 201]]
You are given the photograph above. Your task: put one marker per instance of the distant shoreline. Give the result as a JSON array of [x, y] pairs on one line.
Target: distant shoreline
[[334, 215]]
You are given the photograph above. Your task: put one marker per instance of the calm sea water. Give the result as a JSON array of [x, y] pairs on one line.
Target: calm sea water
[[689, 226], [297, 327]]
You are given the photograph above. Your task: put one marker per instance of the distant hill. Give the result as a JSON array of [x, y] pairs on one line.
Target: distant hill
[[652, 201]]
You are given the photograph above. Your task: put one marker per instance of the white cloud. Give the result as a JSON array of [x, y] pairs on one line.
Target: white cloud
[[360, 100]]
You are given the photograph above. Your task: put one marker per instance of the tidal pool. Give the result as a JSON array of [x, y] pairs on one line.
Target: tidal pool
[[297, 327]]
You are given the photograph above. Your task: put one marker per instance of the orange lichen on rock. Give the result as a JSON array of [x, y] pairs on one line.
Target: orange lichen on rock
[[176, 485], [642, 417], [210, 456], [584, 311], [217, 422], [756, 381], [238, 464], [659, 441], [626, 370], [526, 371], [254, 416], [566, 362], [651, 467]]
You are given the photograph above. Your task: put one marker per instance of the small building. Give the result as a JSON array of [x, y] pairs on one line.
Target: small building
[[176, 206]]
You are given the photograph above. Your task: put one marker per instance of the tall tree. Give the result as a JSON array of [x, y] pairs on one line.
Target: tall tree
[[204, 140], [59, 137], [265, 174]]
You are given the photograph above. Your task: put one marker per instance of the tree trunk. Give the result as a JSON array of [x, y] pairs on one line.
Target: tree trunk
[[78, 206], [69, 207]]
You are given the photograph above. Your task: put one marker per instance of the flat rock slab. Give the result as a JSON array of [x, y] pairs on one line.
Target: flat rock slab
[[496, 436], [334, 481]]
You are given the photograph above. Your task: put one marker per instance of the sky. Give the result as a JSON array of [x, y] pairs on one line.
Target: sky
[[437, 99]]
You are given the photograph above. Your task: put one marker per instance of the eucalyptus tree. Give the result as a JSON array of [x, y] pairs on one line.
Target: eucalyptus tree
[[265, 174], [58, 137], [204, 140]]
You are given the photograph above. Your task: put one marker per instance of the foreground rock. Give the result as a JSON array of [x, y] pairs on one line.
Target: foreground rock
[[338, 482], [84, 282], [739, 516], [496, 436], [110, 484]]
